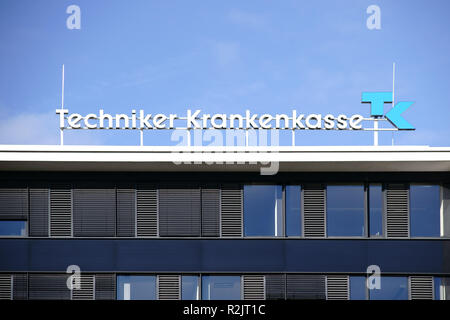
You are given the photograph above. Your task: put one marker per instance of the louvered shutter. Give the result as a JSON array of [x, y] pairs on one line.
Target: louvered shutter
[[60, 212], [275, 286], [313, 211], [105, 286], [210, 212], [169, 287], [48, 287], [231, 211], [421, 287], [20, 286], [337, 288], [126, 212], [179, 212], [305, 286], [5, 287], [253, 287], [147, 212], [39, 212], [94, 212], [397, 211], [14, 203], [86, 291]]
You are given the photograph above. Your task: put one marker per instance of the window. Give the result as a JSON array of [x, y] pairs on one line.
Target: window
[[293, 211], [358, 288], [189, 288], [136, 287], [437, 288], [425, 211], [221, 288], [263, 211], [345, 211], [392, 288], [375, 210], [13, 228]]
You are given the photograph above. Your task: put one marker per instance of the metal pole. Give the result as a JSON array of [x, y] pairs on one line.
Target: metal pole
[[393, 91], [375, 132], [293, 137], [142, 137], [61, 135]]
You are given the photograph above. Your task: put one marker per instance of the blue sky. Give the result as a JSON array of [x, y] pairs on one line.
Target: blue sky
[[221, 57]]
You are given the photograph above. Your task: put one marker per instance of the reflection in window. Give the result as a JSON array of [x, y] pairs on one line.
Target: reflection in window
[[392, 288], [221, 288], [345, 210], [293, 211], [13, 228], [189, 288], [375, 210], [263, 210], [437, 288], [136, 287], [425, 211], [358, 288]]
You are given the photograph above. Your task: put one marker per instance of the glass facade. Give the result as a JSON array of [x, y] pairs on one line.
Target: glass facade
[[293, 211], [221, 287], [425, 210], [263, 210], [392, 288], [136, 287], [190, 287], [345, 211], [358, 288], [13, 228], [375, 210]]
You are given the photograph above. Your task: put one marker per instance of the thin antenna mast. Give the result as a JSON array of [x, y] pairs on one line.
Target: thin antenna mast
[[393, 93], [61, 132]]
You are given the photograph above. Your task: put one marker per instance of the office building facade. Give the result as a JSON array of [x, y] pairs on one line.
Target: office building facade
[[164, 223]]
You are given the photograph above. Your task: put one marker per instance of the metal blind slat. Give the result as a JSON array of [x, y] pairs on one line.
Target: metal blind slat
[[421, 287], [397, 211], [14, 203], [48, 287], [305, 287], [5, 287], [126, 212], [105, 286], [39, 202], [94, 212], [210, 212], [253, 287], [275, 286], [231, 211], [147, 212], [169, 287], [179, 212], [314, 212], [86, 291], [337, 288], [60, 212]]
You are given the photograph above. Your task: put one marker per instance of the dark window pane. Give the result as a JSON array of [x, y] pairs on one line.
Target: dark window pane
[[189, 288], [13, 228], [293, 211], [392, 288], [358, 288], [136, 287], [262, 211], [375, 210], [425, 211], [345, 211], [221, 288]]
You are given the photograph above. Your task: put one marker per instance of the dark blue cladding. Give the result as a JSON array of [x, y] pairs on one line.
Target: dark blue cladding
[[225, 255]]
